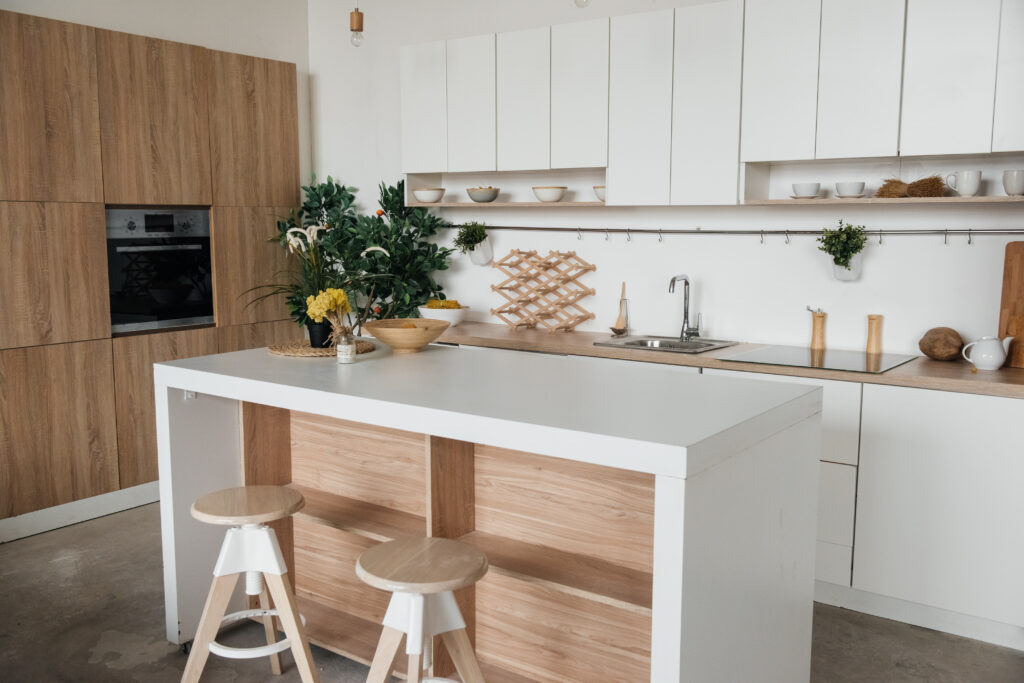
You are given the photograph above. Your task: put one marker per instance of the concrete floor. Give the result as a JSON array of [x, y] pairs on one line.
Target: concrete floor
[[85, 603]]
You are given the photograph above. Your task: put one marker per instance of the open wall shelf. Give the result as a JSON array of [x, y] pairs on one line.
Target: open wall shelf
[[881, 200], [502, 205]]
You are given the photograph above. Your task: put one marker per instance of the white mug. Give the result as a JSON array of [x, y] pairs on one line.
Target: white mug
[[1013, 182], [965, 183]]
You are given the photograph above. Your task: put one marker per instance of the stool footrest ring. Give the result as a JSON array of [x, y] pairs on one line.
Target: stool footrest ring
[[250, 652]]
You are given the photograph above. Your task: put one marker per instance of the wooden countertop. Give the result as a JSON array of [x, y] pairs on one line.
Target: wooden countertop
[[921, 373]]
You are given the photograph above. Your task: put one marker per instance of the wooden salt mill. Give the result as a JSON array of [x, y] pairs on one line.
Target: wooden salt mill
[[817, 337], [874, 334]]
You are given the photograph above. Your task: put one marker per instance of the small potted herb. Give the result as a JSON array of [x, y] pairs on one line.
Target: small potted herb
[[472, 239], [845, 245]]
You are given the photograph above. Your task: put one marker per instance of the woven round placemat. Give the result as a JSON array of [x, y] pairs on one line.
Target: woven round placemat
[[302, 349]]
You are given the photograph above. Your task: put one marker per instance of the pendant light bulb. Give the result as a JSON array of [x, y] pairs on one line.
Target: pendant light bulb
[[357, 38], [581, 3], [355, 24]]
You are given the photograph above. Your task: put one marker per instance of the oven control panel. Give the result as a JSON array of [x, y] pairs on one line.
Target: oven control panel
[[150, 223]]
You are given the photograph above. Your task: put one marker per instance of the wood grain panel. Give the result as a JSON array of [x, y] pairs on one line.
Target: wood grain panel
[[325, 570], [154, 125], [266, 454], [58, 440], [348, 635], [54, 276], [377, 465], [256, 335], [1011, 310], [243, 258], [254, 131], [571, 506], [552, 637], [359, 517], [49, 112], [133, 390]]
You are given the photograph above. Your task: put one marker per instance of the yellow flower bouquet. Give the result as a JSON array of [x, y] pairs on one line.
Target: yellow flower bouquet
[[332, 305]]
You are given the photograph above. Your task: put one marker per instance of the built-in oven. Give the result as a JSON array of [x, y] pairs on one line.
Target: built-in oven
[[159, 268]]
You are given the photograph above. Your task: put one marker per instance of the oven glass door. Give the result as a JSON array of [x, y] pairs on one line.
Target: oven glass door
[[159, 282]]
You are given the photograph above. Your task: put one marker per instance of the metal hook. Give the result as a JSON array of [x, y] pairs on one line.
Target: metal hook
[[606, 237], [945, 237], [628, 237], [579, 234], [970, 237], [787, 237], [660, 237], [879, 236], [762, 237]]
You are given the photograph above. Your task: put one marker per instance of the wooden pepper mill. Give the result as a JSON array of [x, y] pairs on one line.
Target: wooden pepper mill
[[817, 329], [874, 334]]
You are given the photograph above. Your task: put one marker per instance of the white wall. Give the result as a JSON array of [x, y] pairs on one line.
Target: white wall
[[747, 291], [274, 29]]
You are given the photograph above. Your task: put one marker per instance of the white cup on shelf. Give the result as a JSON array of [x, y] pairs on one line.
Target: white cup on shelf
[[1013, 183], [806, 190], [965, 183]]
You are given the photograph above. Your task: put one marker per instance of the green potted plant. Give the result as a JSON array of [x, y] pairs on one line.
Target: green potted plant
[[472, 239], [845, 244]]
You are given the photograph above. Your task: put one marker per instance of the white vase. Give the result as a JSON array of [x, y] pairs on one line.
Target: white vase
[[482, 253], [852, 273]]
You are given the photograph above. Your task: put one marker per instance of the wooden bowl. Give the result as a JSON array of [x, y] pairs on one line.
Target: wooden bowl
[[406, 335]]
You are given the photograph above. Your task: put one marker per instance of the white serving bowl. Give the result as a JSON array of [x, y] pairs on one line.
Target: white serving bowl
[[806, 189], [850, 189], [550, 193], [428, 195], [599, 192], [483, 194], [453, 316]]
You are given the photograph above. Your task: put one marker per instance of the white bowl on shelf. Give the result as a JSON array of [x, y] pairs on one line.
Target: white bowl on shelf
[[483, 194], [453, 316], [549, 193], [806, 190], [428, 195], [599, 192]]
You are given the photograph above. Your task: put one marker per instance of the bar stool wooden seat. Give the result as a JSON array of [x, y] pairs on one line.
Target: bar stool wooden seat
[[422, 573], [251, 548]]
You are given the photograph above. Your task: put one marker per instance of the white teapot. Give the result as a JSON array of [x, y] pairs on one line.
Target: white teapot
[[989, 353]]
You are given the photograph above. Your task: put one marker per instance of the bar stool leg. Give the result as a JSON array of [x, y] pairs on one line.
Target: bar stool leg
[[288, 613], [384, 658], [209, 624], [271, 631], [462, 654]]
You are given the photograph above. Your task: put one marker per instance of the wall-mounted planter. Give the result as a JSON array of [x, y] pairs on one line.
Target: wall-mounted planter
[[482, 254], [844, 274]]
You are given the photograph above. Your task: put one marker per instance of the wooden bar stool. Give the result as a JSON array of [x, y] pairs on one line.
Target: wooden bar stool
[[251, 548], [422, 573]]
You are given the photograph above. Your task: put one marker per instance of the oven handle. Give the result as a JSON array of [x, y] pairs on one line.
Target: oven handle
[[168, 247]]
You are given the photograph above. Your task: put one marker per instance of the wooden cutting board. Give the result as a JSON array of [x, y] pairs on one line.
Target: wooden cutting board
[[1011, 312]]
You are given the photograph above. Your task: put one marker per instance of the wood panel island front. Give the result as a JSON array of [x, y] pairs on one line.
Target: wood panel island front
[[642, 523]]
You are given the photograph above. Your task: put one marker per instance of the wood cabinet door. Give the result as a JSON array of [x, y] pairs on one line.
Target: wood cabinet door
[[640, 109], [134, 399], [243, 258], [780, 79], [154, 123], [579, 94], [706, 103], [254, 131], [524, 99], [471, 104], [424, 112], [1008, 132], [54, 273], [49, 115], [859, 78], [58, 441], [949, 77], [256, 335]]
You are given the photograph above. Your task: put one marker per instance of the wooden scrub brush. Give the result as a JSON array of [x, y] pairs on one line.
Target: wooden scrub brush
[[932, 186], [892, 189]]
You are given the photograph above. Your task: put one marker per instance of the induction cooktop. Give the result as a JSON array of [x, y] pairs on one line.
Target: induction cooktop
[[828, 359]]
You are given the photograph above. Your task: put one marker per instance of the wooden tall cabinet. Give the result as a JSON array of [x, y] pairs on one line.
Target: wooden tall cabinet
[[154, 124], [54, 277], [49, 122], [57, 436], [254, 131]]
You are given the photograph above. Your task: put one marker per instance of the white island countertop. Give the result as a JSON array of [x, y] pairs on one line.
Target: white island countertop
[[635, 416]]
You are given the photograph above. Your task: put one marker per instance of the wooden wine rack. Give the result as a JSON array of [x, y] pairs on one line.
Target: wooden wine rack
[[543, 291]]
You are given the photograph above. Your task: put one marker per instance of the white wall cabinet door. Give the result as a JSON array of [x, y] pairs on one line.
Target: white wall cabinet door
[[424, 117], [471, 104], [706, 103], [524, 99], [1008, 131], [940, 514], [579, 94], [859, 78], [949, 76], [780, 79], [640, 109]]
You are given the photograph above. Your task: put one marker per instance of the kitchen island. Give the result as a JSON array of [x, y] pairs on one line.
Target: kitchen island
[[642, 523]]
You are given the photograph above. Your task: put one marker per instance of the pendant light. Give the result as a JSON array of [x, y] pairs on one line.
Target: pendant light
[[355, 24]]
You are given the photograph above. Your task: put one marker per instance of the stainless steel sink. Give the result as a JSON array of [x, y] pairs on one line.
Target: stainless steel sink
[[670, 344]]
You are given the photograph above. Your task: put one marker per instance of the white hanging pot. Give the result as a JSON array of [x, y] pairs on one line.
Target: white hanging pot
[[482, 253], [844, 274]]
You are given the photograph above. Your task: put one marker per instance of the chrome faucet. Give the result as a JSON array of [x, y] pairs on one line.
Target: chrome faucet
[[687, 333]]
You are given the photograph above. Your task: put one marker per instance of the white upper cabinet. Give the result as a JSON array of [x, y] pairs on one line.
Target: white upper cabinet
[[524, 99], [780, 79], [471, 104], [949, 76], [859, 78], [640, 109], [1008, 131], [579, 94], [706, 103], [424, 119]]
